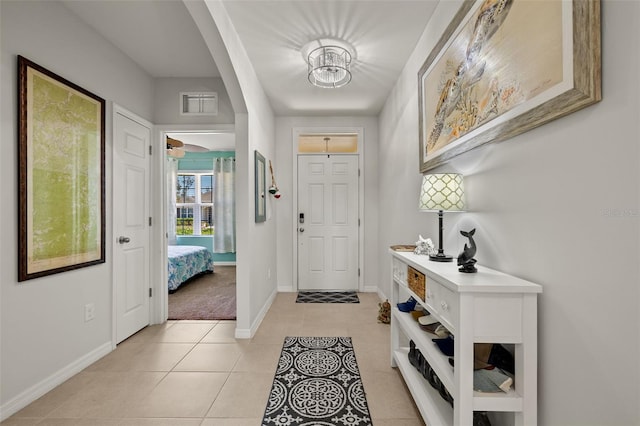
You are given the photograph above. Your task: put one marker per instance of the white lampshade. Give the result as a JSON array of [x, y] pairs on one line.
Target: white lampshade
[[442, 191]]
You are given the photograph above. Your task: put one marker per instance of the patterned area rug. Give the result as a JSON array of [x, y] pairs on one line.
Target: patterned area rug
[[317, 383], [327, 297]]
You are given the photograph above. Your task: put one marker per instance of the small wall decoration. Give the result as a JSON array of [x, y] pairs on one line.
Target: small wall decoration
[[466, 262], [61, 206], [273, 189], [503, 67], [260, 187]]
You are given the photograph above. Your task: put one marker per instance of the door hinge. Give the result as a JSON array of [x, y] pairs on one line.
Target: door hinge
[[150, 149], [358, 271], [149, 220], [358, 222], [150, 292], [358, 172]]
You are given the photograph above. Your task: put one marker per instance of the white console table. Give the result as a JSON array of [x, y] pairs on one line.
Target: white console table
[[483, 307]]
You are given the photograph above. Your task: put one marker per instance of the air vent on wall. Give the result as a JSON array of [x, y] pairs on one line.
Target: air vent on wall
[[198, 103]]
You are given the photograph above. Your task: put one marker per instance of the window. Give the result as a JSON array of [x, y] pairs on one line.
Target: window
[[194, 201], [330, 143]]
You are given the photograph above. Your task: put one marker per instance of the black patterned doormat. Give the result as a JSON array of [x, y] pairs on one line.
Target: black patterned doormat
[[317, 383], [327, 297]]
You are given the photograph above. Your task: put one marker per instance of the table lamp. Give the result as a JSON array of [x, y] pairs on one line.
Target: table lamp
[[439, 192]]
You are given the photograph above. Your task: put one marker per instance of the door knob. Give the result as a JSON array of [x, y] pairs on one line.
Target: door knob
[[301, 229], [123, 240]]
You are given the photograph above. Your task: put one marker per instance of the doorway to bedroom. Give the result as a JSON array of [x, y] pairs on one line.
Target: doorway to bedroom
[[200, 173]]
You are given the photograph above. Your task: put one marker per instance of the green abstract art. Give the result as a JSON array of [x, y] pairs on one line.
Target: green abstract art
[[61, 174]]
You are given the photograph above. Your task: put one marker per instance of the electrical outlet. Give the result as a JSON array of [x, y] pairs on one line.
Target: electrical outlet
[[89, 312]]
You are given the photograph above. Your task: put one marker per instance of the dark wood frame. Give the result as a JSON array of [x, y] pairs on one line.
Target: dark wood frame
[[25, 119], [586, 84]]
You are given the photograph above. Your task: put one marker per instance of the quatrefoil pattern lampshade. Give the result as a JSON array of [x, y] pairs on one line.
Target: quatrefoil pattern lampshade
[[442, 191]]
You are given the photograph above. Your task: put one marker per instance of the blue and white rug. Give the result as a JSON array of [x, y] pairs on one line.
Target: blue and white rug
[[327, 297], [317, 383]]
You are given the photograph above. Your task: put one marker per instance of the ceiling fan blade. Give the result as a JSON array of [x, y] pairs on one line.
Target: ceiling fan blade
[[174, 143], [194, 148], [175, 152]]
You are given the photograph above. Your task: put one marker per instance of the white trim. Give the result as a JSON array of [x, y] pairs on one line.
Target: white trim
[[381, 295], [161, 303], [224, 263], [56, 379], [296, 132], [243, 333], [117, 109], [286, 289]]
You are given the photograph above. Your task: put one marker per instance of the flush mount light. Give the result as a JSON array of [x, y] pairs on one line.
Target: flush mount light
[[328, 62]]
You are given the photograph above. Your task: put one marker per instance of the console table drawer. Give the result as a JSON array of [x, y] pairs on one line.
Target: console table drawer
[[444, 303], [400, 271]]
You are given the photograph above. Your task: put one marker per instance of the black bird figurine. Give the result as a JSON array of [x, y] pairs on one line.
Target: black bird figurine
[[465, 259]]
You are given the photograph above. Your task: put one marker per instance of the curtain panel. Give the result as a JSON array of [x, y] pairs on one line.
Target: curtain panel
[[224, 205], [172, 209]]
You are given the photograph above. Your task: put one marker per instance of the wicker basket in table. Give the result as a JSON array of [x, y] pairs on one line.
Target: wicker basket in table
[[416, 281]]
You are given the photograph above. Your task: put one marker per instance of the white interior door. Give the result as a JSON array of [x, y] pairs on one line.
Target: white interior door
[[131, 224], [327, 222]]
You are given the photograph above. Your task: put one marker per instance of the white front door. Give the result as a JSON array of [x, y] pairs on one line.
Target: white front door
[[131, 141], [327, 222]]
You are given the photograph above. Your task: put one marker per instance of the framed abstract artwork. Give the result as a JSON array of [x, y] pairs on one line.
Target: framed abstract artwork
[[503, 67], [61, 202], [260, 187]]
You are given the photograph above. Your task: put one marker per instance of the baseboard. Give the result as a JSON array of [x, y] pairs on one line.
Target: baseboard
[[243, 333], [370, 289], [381, 295], [36, 391], [225, 263], [286, 289]]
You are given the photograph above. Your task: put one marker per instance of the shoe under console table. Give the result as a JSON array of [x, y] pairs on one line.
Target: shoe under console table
[[483, 307]]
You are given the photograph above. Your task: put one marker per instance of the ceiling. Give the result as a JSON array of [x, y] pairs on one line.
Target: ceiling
[[154, 33]]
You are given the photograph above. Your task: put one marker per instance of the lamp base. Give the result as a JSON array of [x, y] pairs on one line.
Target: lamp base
[[441, 257]]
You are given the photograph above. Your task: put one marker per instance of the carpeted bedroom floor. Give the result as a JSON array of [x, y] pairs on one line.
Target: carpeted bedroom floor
[[208, 297]]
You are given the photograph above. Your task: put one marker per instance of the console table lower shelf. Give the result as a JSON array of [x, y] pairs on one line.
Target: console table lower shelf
[[434, 409]]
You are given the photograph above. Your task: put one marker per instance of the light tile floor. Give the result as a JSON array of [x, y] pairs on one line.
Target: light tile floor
[[195, 373]]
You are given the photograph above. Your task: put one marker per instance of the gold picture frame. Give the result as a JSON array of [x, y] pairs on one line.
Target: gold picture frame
[[503, 67], [61, 151]]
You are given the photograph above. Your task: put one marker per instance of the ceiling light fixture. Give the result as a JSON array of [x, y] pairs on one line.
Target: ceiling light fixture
[[328, 62]]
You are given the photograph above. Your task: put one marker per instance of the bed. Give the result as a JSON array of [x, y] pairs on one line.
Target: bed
[[185, 262]]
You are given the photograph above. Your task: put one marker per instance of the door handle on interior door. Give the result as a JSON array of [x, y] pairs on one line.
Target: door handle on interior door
[[301, 229], [123, 240]]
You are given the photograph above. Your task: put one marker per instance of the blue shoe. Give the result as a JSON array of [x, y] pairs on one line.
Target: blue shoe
[[407, 306]]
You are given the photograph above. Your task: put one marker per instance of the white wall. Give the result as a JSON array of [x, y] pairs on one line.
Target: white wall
[[558, 205], [283, 168], [255, 129], [43, 334], [167, 101]]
